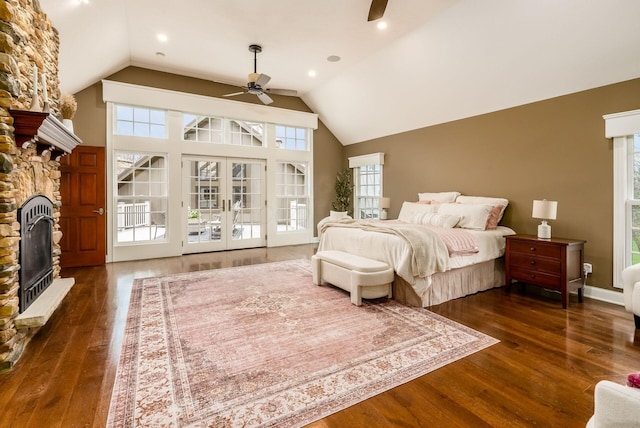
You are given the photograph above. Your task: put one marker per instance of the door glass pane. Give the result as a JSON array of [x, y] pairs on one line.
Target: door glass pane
[[204, 210], [246, 198]]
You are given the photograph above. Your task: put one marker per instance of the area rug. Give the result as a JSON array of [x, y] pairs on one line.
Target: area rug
[[260, 345]]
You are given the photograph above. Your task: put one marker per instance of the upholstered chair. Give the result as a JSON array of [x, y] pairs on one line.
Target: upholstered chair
[[615, 406], [631, 291]]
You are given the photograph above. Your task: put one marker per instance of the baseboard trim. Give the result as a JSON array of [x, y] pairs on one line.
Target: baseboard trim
[[603, 295]]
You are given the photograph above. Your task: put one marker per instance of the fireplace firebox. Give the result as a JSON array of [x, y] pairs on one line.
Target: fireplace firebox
[[36, 251]]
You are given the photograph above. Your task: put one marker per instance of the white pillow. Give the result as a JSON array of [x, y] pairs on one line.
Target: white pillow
[[410, 208], [441, 197], [434, 219], [471, 216], [484, 200]]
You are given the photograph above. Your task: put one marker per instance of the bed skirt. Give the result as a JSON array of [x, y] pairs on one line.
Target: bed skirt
[[452, 284]]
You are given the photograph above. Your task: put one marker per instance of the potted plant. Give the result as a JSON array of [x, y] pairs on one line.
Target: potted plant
[[344, 190], [68, 107]]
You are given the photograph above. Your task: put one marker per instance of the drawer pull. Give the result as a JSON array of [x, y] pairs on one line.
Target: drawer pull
[[533, 275], [533, 248], [532, 262]]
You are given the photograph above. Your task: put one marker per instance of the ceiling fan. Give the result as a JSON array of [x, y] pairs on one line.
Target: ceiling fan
[[257, 82], [376, 11]]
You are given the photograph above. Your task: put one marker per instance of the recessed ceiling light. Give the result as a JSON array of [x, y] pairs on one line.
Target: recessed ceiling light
[[333, 58], [162, 37], [382, 25], [312, 73], [83, 1]]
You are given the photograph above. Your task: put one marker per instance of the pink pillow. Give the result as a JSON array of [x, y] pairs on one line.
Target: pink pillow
[[633, 380], [492, 221]]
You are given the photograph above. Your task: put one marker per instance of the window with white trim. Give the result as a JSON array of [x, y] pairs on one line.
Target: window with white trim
[[140, 121], [367, 175], [292, 196], [141, 196], [290, 138], [624, 128]]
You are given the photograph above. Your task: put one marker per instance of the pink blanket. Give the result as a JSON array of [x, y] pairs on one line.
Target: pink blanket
[[459, 242]]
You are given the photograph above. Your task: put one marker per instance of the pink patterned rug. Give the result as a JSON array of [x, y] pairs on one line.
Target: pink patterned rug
[[260, 345]]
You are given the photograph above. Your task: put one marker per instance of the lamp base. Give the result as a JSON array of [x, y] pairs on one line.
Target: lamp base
[[544, 230], [383, 214]]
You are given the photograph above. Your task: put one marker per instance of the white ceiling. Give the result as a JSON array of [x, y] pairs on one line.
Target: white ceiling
[[438, 60]]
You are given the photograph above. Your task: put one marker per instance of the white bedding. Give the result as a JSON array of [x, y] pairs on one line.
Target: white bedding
[[395, 251]]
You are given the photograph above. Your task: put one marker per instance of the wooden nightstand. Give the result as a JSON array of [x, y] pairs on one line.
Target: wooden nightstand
[[554, 264]]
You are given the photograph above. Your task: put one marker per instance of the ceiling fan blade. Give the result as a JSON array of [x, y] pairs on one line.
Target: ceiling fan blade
[[262, 80], [234, 94], [286, 92], [377, 9], [266, 99]]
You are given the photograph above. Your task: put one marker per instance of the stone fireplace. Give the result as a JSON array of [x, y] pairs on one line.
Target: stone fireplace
[[31, 144]]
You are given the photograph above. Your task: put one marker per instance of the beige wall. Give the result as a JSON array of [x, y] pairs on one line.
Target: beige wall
[[328, 154], [553, 149]]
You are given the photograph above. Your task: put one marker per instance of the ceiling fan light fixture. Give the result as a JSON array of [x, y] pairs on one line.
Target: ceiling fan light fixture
[[382, 25], [253, 77]]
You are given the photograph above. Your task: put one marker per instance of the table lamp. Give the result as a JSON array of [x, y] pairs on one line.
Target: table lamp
[[385, 203], [545, 210]]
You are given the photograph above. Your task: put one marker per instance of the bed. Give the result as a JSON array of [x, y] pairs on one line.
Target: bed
[[439, 249]]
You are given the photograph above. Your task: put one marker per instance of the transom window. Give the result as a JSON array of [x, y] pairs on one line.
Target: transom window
[[204, 129], [243, 133], [140, 122], [291, 138]]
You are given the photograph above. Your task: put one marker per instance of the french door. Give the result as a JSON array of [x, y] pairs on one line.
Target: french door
[[223, 203]]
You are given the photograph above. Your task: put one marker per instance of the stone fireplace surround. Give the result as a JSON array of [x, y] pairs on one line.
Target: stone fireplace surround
[[29, 162]]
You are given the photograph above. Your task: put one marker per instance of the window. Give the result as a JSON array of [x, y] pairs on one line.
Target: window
[[624, 128], [633, 202], [140, 122], [141, 197], [292, 197], [368, 185], [290, 138], [204, 129], [242, 133]]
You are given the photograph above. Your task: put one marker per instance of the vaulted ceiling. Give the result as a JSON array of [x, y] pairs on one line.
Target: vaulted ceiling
[[437, 60]]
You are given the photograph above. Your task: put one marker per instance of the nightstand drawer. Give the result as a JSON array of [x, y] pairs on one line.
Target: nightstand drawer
[[553, 266], [541, 279], [536, 248]]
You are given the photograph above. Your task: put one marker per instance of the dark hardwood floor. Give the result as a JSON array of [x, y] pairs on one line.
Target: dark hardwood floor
[[542, 373]]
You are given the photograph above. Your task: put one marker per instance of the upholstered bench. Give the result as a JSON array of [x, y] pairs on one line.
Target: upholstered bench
[[362, 277]]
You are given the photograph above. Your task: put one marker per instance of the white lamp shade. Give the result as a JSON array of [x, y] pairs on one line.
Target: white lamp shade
[[544, 209], [385, 202]]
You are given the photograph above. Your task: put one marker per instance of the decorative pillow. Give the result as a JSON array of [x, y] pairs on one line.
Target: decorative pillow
[[410, 208], [434, 219], [441, 197], [633, 380], [485, 200], [494, 217], [471, 216]]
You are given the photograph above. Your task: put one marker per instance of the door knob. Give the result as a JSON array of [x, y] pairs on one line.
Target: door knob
[[98, 211]]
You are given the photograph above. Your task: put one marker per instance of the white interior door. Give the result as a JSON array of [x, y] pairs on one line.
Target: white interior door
[[224, 203]]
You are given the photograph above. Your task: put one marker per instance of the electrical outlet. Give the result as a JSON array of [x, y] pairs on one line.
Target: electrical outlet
[[588, 268]]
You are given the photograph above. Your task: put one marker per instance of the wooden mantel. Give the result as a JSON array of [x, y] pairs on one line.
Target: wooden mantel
[[43, 129]]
